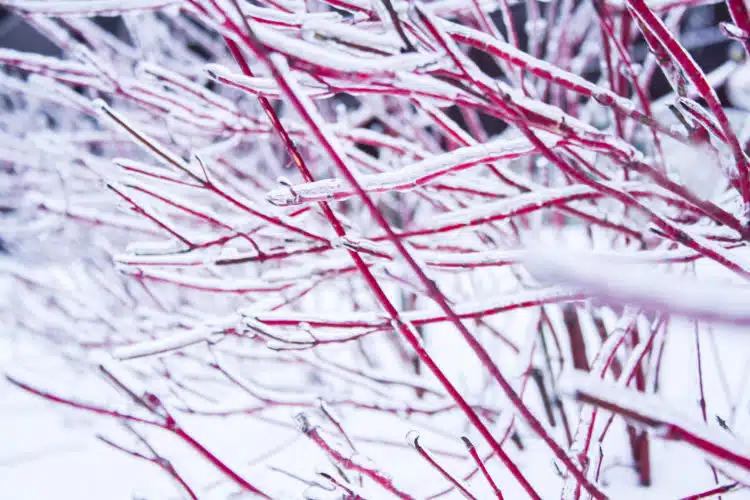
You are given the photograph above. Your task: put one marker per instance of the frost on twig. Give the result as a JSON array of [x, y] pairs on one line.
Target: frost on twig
[[726, 452]]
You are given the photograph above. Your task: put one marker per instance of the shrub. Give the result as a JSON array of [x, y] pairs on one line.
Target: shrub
[[326, 248]]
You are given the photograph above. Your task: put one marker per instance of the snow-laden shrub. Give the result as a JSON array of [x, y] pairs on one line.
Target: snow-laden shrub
[[315, 249]]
